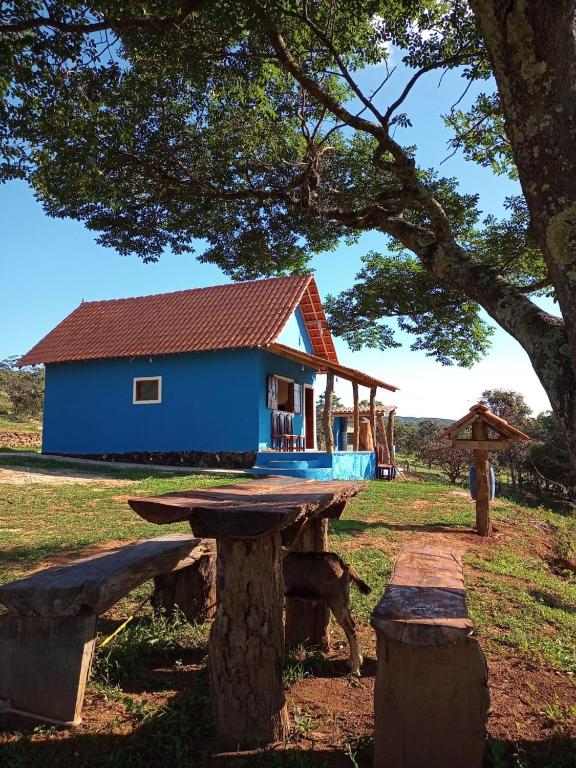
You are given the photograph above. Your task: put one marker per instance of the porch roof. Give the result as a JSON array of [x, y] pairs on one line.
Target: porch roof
[[322, 365]]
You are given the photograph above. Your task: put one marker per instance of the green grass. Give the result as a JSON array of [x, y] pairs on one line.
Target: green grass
[[14, 424], [520, 605], [40, 520]]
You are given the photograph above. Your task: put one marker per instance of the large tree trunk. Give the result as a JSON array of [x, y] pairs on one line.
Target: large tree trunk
[[247, 643], [532, 47]]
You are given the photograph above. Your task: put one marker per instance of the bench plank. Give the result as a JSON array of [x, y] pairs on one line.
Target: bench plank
[[425, 602], [431, 690], [94, 584]]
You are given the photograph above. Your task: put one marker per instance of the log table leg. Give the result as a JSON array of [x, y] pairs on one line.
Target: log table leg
[[192, 590], [308, 623], [44, 665], [246, 650]]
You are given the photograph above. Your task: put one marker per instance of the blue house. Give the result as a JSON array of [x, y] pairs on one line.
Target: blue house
[[211, 376]]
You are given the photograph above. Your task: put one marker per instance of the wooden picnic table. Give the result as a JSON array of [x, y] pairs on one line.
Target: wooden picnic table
[[251, 522]]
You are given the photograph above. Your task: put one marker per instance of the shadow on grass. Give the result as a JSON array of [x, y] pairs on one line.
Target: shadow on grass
[[556, 752], [533, 501], [360, 526], [552, 602]]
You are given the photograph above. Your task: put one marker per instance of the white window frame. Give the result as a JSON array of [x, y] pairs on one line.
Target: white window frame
[[146, 378]]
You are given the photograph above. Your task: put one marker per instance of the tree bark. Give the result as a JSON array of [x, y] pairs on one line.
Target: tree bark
[[532, 48], [356, 416], [191, 590], [383, 439], [327, 413], [307, 623], [246, 650], [390, 434], [373, 414]]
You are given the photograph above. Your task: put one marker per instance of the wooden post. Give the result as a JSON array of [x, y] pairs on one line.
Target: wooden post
[[431, 693], [307, 623], [483, 522], [191, 590], [246, 650], [365, 442], [390, 435], [327, 415], [373, 414], [44, 665], [383, 438], [356, 416]]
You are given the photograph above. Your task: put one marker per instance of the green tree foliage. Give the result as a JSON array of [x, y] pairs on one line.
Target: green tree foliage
[[511, 406], [246, 124], [421, 441], [549, 456], [22, 388]]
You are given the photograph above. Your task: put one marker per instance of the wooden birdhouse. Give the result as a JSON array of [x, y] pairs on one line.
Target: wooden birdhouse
[[482, 431]]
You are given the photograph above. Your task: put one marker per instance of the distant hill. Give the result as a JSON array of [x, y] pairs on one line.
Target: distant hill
[[413, 421]]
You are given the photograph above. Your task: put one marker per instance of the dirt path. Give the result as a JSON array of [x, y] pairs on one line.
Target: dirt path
[[24, 476]]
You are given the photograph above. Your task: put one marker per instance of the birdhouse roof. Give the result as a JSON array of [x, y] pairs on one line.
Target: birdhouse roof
[[482, 412]]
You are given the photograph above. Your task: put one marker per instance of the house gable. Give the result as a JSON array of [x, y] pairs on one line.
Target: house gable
[[295, 333]]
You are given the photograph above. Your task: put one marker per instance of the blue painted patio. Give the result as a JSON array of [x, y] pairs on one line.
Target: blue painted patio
[[317, 465]]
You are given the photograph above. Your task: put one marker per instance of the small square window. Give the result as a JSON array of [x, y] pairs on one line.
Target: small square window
[[148, 390]]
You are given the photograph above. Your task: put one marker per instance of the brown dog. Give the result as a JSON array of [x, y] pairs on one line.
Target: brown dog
[[325, 576]]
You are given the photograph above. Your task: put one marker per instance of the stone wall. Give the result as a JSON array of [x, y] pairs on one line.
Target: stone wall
[[220, 460]]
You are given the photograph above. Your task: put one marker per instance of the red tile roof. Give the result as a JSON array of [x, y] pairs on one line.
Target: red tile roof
[[228, 316], [349, 411]]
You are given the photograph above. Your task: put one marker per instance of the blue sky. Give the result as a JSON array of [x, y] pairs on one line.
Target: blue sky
[[48, 266]]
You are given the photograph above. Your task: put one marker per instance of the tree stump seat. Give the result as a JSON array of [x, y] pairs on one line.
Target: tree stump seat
[[48, 633], [431, 692]]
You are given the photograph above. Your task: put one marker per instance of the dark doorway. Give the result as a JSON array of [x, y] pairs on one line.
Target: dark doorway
[[309, 418]]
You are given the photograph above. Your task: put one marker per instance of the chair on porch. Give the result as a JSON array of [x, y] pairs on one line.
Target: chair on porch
[[283, 438], [384, 470]]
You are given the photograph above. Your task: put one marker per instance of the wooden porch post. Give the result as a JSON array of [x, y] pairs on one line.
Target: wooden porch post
[[327, 415], [390, 434], [373, 414], [483, 522], [356, 416]]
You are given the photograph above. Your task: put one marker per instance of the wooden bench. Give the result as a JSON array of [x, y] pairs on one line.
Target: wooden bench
[[384, 470], [47, 636], [431, 693], [282, 437]]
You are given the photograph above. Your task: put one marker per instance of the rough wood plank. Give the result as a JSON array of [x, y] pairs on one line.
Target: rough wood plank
[[247, 515], [481, 460], [44, 665], [483, 445], [431, 694], [191, 590], [425, 602], [94, 584], [430, 705]]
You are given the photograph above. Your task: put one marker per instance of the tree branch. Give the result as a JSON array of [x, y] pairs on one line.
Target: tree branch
[[339, 61], [458, 58], [88, 27]]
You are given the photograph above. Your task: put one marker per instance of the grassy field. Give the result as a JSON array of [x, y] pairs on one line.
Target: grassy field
[[147, 703], [13, 424]]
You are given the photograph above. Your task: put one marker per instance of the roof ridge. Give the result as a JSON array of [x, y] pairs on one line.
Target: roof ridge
[[193, 290]]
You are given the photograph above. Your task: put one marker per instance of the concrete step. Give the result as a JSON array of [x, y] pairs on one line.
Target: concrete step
[[309, 473]]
